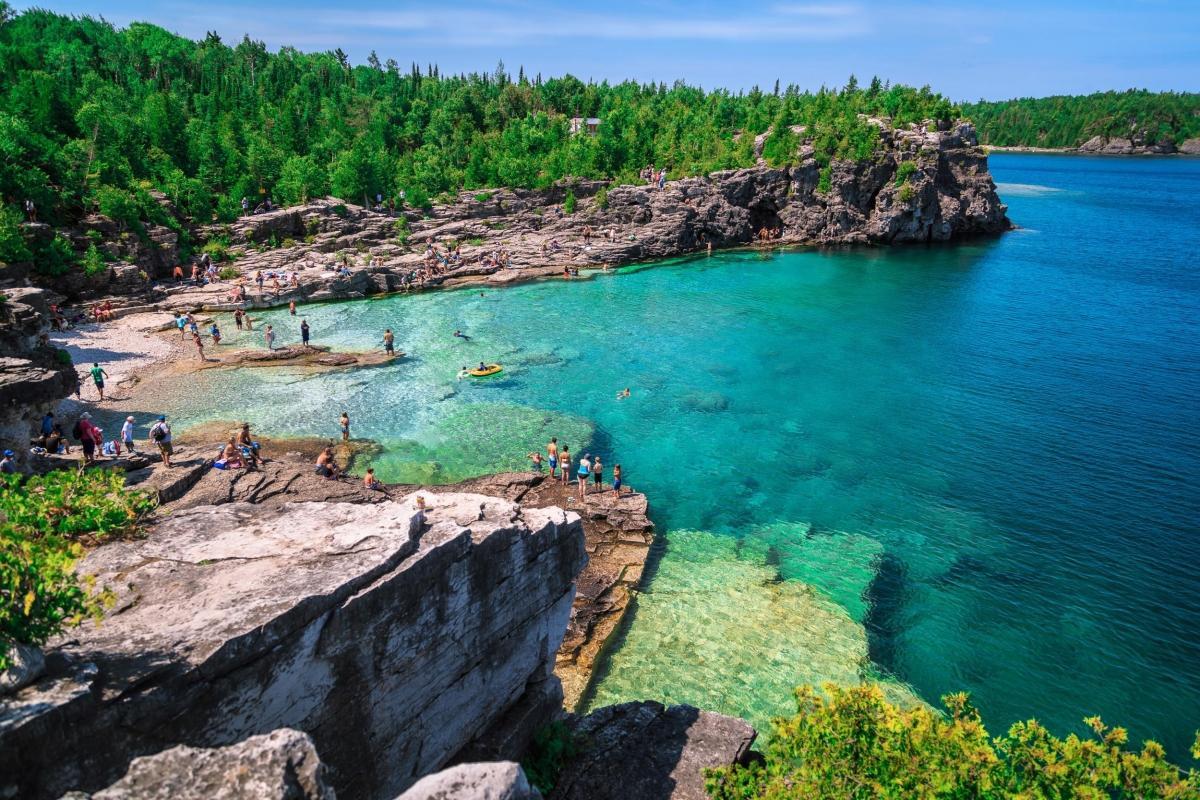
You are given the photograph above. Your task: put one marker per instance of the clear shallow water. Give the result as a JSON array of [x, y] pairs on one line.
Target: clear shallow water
[[969, 467]]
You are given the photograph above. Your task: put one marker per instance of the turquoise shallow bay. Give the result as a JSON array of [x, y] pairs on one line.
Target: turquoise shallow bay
[[970, 467]]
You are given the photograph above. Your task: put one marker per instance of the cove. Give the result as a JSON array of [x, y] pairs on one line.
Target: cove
[[958, 468]]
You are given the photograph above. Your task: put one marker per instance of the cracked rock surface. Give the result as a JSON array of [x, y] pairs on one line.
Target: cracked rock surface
[[393, 637]]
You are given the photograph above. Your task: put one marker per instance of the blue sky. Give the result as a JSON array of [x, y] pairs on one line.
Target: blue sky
[[964, 49]]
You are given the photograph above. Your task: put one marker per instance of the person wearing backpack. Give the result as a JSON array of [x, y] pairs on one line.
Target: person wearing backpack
[[88, 436], [160, 434]]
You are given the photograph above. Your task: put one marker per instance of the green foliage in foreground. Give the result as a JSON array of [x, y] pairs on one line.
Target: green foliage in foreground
[[1069, 121], [851, 743], [553, 746], [44, 522], [93, 117]]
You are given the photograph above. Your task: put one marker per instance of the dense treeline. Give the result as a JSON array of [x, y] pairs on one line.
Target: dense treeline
[[1070, 121], [93, 117]]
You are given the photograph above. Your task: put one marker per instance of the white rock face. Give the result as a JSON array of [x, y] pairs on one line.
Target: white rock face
[[391, 636], [488, 780]]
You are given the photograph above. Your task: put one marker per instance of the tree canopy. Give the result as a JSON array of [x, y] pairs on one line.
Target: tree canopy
[[94, 117], [1068, 121]]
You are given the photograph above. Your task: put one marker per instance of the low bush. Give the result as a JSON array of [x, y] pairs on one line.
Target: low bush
[[602, 198], [569, 202], [228, 273], [906, 193], [553, 746], [400, 226], [483, 197], [217, 249], [851, 743], [44, 523], [905, 171]]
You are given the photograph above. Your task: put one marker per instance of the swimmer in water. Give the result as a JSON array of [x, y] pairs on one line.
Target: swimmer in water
[[461, 335], [464, 372], [621, 395]]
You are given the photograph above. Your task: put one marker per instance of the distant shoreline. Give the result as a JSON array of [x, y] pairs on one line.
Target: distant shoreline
[[1072, 151]]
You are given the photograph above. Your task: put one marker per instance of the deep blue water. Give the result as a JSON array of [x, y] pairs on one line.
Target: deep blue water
[[985, 455]]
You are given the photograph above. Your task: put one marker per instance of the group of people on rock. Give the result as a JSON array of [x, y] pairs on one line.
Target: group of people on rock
[[654, 177], [558, 458], [241, 451]]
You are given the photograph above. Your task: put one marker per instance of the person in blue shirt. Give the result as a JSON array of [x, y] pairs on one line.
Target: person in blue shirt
[[8, 464], [48, 423]]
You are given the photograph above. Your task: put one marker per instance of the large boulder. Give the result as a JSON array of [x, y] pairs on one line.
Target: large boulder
[[281, 765], [393, 635], [651, 752], [488, 780]]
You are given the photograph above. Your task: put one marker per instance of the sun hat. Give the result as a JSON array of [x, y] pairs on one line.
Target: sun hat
[[85, 415], [129, 419], [9, 454]]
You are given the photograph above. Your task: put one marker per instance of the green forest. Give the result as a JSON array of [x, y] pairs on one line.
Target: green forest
[[95, 118], [1066, 121], [92, 118]]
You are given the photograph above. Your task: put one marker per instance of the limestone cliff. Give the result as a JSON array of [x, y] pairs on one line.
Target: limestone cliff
[[393, 637], [923, 184], [34, 376]]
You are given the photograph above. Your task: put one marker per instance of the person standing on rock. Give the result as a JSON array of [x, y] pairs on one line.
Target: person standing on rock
[[269, 335], [304, 332], [345, 423], [598, 474], [584, 472], [245, 206], [389, 342], [98, 375], [127, 434], [181, 323], [196, 340], [160, 434], [617, 480], [259, 279], [564, 463], [552, 453]]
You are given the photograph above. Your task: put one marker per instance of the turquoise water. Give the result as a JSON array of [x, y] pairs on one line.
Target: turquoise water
[[970, 467]]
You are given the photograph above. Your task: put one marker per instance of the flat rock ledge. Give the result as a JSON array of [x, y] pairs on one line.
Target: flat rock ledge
[[392, 636], [281, 765], [651, 752]]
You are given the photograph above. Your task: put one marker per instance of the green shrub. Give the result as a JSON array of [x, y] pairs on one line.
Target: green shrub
[[217, 249], [905, 171], [475, 240], [602, 198], [93, 263], [553, 746], [906, 193], [569, 202], [825, 181], [339, 209], [228, 273], [55, 258], [851, 743], [12, 241], [288, 242], [44, 521], [400, 226], [483, 197]]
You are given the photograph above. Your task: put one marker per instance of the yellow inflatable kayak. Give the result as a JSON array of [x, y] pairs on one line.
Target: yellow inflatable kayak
[[490, 369]]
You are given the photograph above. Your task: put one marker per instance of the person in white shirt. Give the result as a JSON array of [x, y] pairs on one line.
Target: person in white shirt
[[127, 434]]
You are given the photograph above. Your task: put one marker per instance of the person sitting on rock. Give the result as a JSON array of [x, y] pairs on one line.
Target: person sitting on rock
[[326, 467]]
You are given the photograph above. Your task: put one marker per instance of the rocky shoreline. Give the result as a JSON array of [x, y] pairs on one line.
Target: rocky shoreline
[[1110, 146]]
